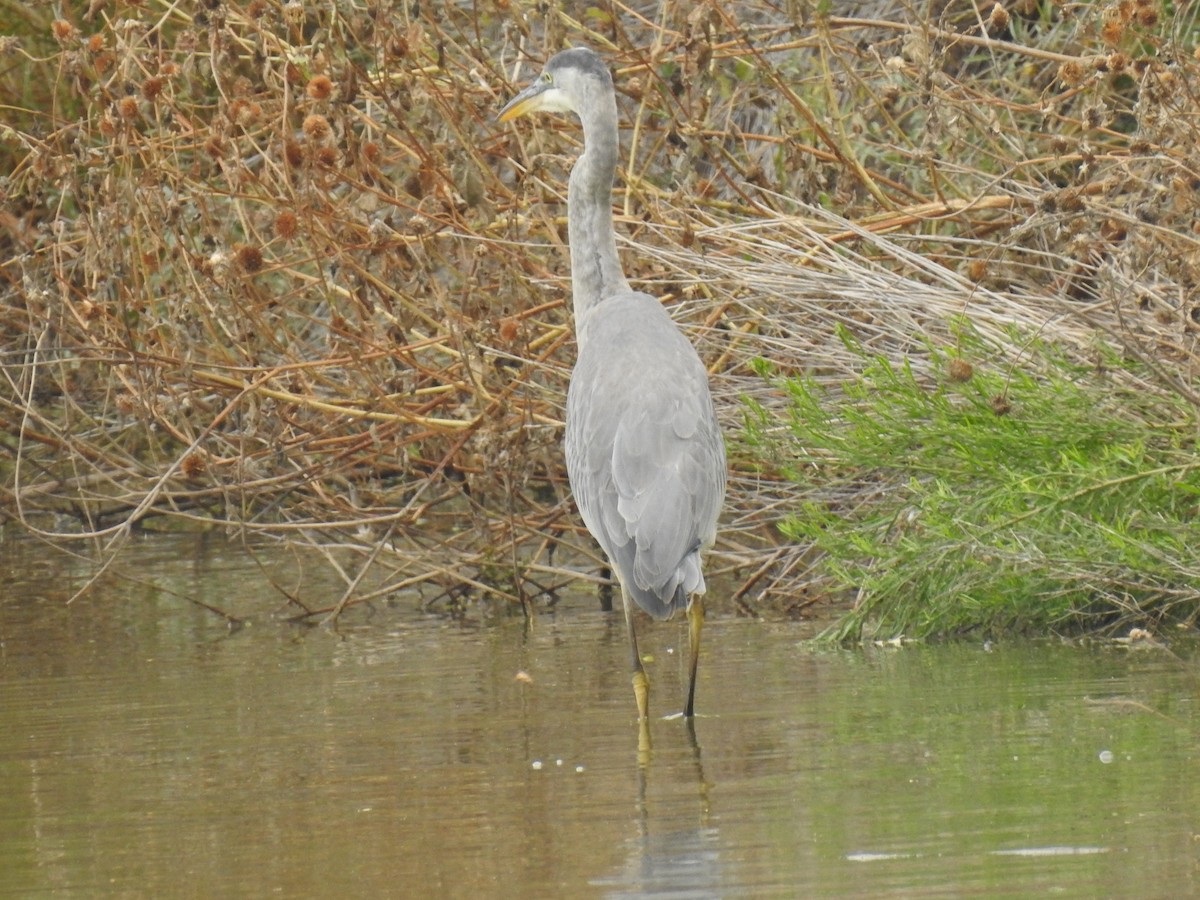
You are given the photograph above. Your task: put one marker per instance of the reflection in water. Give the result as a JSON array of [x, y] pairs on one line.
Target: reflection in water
[[677, 863], [145, 750]]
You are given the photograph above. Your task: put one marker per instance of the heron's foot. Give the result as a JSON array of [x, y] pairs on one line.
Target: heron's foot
[[641, 693]]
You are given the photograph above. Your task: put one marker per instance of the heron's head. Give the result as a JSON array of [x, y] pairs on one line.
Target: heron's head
[[568, 83]]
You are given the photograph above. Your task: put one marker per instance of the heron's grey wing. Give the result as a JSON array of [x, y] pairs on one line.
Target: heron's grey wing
[[644, 451], [668, 488]]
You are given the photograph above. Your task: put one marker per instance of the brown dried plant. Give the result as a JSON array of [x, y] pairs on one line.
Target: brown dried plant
[[272, 267]]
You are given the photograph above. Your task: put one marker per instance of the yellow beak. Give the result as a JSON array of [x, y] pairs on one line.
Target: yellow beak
[[529, 100]]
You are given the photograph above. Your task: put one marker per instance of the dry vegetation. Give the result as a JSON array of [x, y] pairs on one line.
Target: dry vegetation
[[272, 267]]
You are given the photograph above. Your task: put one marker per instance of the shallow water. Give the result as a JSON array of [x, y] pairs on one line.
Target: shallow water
[[146, 750]]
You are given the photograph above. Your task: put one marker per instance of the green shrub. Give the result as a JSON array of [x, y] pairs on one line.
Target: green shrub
[[977, 494]]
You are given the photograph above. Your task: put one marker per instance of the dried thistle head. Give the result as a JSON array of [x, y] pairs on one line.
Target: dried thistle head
[[1112, 31], [286, 225], [1071, 73], [998, 18], [293, 153], [327, 157], [152, 87], [64, 32], [510, 328], [316, 127], [1113, 230], [960, 370], [319, 88], [249, 258], [194, 464]]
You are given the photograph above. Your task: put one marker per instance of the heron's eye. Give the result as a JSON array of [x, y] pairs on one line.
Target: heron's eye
[[546, 77]]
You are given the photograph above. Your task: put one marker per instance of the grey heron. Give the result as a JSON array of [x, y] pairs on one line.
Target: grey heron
[[645, 456]]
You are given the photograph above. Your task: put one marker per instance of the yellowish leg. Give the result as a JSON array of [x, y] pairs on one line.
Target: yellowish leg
[[641, 693], [641, 683], [695, 615]]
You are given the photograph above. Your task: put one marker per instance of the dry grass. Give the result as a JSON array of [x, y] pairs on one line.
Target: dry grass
[[272, 267]]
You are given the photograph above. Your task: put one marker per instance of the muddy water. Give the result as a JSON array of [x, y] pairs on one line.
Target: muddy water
[[146, 751]]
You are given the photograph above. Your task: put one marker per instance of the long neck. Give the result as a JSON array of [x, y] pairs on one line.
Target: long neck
[[595, 268]]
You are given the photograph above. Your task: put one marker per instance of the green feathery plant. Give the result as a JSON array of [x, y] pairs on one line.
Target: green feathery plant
[[991, 496]]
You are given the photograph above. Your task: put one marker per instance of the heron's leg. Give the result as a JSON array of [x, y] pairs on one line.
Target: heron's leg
[[641, 683], [695, 615]]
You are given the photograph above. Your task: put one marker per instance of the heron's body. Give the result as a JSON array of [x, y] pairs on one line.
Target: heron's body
[[644, 452]]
